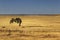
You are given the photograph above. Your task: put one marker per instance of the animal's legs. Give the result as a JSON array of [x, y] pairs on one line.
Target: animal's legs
[[19, 24]]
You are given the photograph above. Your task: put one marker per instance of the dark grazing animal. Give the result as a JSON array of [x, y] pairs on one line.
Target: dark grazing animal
[[17, 20]]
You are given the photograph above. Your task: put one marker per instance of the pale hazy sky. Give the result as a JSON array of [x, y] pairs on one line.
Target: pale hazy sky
[[29, 6]]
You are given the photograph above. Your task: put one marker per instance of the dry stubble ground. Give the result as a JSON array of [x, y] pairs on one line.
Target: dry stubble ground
[[34, 27]]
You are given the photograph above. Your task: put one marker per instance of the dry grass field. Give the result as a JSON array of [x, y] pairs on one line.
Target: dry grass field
[[33, 27]]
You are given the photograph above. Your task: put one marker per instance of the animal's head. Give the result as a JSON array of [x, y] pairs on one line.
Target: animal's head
[[12, 20]]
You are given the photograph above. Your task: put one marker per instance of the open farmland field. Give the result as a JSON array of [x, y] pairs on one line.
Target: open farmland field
[[33, 27]]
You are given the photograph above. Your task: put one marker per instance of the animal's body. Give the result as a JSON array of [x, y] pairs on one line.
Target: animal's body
[[17, 20]]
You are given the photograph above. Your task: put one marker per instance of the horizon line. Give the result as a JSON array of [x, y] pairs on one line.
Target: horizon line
[[28, 14]]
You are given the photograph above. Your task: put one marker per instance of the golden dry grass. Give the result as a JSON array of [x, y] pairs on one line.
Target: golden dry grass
[[34, 27]]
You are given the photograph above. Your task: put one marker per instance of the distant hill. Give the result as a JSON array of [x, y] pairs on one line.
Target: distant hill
[[30, 14]]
